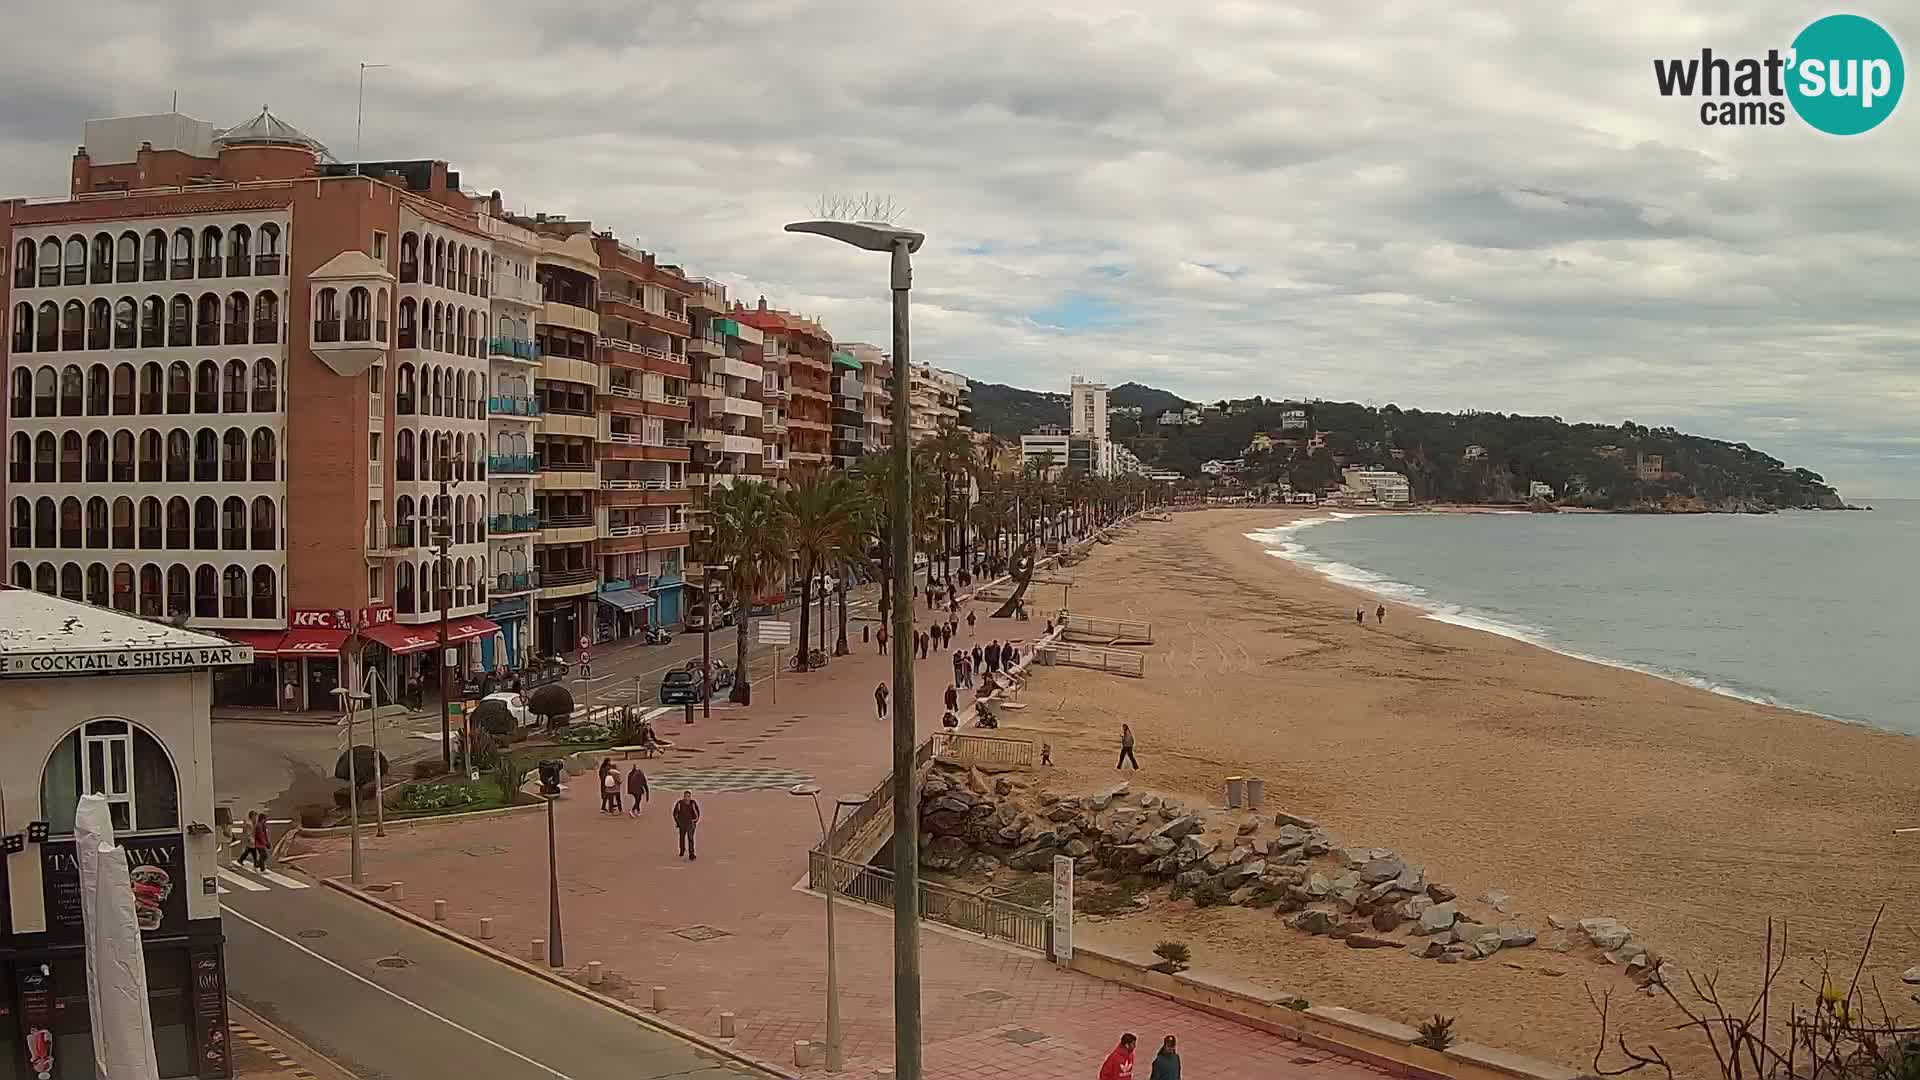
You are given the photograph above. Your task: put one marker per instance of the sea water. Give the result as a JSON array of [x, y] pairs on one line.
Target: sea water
[[1818, 611]]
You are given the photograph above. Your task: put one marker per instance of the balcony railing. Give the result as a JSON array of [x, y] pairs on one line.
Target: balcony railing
[[210, 266], [499, 524], [513, 405], [182, 269], [550, 578], [674, 441], [326, 329], [517, 348], [565, 521], [268, 265], [516, 583], [564, 466], [640, 485], [510, 463], [616, 532]]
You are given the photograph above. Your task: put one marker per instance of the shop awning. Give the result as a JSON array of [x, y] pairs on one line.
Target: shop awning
[[311, 641], [401, 640], [626, 599], [264, 642]]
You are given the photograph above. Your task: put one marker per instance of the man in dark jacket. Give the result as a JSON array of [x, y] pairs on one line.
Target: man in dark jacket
[[637, 789], [1166, 1063], [686, 818]]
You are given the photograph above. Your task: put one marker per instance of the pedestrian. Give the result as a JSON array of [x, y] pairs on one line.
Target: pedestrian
[[993, 656], [1360, 616], [926, 644], [1380, 614], [957, 665], [1046, 753], [637, 789], [1166, 1063], [979, 656], [969, 624], [1011, 656], [290, 696], [686, 818], [864, 632], [966, 670], [1126, 748], [953, 698], [1119, 1063], [609, 787], [882, 635], [880, 700]]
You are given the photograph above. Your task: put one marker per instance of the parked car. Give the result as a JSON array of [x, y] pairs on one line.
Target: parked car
[[720, 677], [683, 687], [516, 707], [697, 618]]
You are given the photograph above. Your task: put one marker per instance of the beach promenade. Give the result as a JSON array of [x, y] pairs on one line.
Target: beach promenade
[[731, 933]]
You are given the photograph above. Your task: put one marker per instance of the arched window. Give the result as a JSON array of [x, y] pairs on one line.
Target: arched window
[[240, 251], [266, 461], [266, 524], [126, 318], [179, 457], [45, 453], [100, 270], [70, 523], [266, 386], [266, 593], [71, 586], [100, 324], [121, 468], [206, 327], [49, 262], [70, 458], [20, 458], [409, 258], [326, 315], [76, 264], [179, 388], [233, 524], [267, 261], [180, 321], [73, 324], [403, 521], [206, 456], [206, 593], [182, 264], [179, 524], [45, 522], [46, 325], [22, 327], [206, 524], [403, 403], [460, 394], [152, 387], [380, 316], [152, 593], [233, 456], [96, 457], [233, 593], [126, 266], [117, 759], [237, 329], [442, 272], [20, 523], [153, 260], [402, 591], [359, 313], [72, 390], [152, 457], [21, 398], [96, 522], [151, 537], [153, 323], [123, 524], [403, 456], [206, 387], [213, 250], [46, 579], [97, 390], [266, 318], [233, 387], [409, 324], [24, 263], [123, 587], [179, 591]]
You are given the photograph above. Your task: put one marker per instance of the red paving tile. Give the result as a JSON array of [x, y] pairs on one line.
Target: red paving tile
[[625, 893]]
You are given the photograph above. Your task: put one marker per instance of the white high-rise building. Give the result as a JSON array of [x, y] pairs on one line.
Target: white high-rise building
[[1088, 419]]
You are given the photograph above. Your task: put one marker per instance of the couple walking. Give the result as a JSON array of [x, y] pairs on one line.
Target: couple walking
[[1119, 1063], [636, 785]]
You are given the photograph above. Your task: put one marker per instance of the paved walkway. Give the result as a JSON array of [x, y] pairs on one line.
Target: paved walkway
[[730, 932]]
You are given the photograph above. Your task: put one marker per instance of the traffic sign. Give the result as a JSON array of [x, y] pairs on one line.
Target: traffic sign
[[773, 632]]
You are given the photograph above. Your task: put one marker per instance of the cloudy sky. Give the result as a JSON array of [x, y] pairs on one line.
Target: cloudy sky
[[1443, 205]]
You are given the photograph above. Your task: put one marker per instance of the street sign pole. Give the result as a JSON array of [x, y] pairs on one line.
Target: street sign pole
[[774, 632]]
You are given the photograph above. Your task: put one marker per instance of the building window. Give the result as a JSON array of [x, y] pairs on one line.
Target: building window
[[376, 585], [373, 446], [117, 759], [380, 247]]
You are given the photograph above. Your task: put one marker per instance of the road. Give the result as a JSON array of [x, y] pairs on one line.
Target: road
[[386, 999]]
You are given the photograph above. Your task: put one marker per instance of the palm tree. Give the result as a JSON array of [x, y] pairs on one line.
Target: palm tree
[[749, 535], [821, 518], [851, 554], [950, 452]]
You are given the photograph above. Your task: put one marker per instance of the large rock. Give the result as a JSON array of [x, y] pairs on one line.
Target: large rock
[[946, 853], [1437, 918], [1347, 882], [1381, 871], [1440, 894], [1076, 848], [1411, 880], [1162, 846], [1248, 827], [1131, 857], [1318, 886], [1514, 937], [1242, 895], [1498, 901], [1427, 949], [1003, 787], [1911, 976], [1191, 878], [1416, 906], [1295, 820], [1010, 834], [1606, 934], [982, 862], [1180, 827], [1385, 920], [1486, 943], [1033, 857], [1369, 941], [1321, 842], [1245, 872], [1314, 922], [944, 823], [1149, 802], [1064, 810]]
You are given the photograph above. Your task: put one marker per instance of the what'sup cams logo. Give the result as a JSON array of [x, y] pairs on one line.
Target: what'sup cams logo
[[1842, 75]]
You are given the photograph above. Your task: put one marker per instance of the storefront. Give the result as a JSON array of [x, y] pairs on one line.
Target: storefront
[[622, 611], [506, 651], [100, 702], [406, 654], [669, 604], [559, 626]]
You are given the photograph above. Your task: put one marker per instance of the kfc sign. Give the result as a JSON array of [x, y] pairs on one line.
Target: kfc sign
[[320, 619], [377, 615]]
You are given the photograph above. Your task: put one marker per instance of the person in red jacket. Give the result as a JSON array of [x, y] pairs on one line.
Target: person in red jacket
[[1119, 1064]]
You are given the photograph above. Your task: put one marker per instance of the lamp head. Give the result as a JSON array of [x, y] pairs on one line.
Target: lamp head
[[804, 790], [870, 235]]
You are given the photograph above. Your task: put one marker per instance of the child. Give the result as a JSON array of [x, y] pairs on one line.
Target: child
[[1046, 753]]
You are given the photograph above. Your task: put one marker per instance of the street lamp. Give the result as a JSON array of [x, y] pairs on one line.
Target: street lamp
[[812, 791], [556, 952], [900, 244], [359, 877]]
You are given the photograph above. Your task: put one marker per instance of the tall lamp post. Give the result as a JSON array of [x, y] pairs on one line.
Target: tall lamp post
[[900, 244], [812, 791], [556, 952]]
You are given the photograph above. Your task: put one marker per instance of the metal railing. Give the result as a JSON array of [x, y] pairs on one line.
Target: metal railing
[[615, 532], [640, 485], [510, 463], [513, 405], [518, 348], [988, 916], [513, 523], [989, 750]]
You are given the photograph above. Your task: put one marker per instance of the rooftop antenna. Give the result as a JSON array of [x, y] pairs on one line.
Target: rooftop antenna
[[359, 111]]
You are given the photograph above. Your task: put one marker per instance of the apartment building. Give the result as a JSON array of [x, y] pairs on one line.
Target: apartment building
[[799, 352], [876, 376], [940, 398], [849, 439], [514, 412]]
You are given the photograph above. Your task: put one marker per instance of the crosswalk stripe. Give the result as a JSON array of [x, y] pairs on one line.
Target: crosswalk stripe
[[236, 880], [281, 879], [657, 711]]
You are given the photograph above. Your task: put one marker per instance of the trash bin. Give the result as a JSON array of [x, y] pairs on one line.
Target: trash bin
[[1236, 791], [551, 770], [1256, 792]]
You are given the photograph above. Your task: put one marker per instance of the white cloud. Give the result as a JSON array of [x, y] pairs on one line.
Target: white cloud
[[1439, 204]]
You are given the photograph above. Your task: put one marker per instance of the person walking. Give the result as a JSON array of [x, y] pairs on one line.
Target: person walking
[[1380, 614], [880, 700], [637, 789], [609, 787], [953, 698], [979, 656], [686, 818], [969, 623], [1119, 1063], [882, 637], [1126, 748], [993, 656], [1360, 616], [259, 839], [1166, 1063]]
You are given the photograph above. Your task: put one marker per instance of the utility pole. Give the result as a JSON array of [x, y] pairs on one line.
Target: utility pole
[[706, 592], [359, 112]]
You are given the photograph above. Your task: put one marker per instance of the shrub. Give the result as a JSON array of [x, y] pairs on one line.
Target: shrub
[[428, 768], [507, 774], [484, 749], [429, 797], [581, 735], [1174, 957], [626, 728], [1436, 1034], [1208, 894]]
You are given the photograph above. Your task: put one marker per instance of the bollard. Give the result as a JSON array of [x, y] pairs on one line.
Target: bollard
[[659, 999], [883, 1074], [397, 890], [802, 1054], [1236, 791], [596, 972], [539, 948], [726, 1025], [439, 911], [1256, 792], [486, 929]]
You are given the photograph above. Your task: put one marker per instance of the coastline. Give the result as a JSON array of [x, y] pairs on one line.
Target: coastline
[[1581, 788]]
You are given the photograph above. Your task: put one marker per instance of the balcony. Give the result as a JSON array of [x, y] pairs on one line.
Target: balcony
[[514, 405], [742, 444], [705, 346], [514, 584], [266, 265], [568, 316], [739, 406], [499, 525], [736, 369], [519, 290], [514, 464], [774, 393], [518, 349], [703, 388], [709, 296]]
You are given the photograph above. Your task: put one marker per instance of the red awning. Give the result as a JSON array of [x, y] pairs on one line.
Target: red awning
[[264, 642], [402, 640], [311, 641]]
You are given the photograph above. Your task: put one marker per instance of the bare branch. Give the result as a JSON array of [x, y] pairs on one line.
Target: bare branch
[[865, 206]]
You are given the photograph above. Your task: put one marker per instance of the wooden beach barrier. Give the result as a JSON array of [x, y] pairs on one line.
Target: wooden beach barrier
[[1098, 657], [1106, 631]]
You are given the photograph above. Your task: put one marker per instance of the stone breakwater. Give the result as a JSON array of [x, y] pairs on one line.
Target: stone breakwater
[[1367, 897]]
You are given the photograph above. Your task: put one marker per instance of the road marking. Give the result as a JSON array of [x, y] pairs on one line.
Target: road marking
[[403, 999], [237, 881], [223, 890], [282, 879]]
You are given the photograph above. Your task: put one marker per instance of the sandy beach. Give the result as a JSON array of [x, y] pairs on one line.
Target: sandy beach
[[1579, 789]]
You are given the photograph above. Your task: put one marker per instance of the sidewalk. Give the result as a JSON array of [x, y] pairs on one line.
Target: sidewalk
[[313, 717], [730, 932]]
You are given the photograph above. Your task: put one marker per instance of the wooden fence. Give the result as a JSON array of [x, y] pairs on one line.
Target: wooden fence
[[1098, 657], [1106, 631], [989, 750]]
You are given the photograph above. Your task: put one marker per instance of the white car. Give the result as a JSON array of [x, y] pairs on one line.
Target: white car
[[516, 707]]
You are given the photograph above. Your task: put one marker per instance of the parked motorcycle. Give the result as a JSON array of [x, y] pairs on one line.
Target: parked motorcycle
[[657, 636]]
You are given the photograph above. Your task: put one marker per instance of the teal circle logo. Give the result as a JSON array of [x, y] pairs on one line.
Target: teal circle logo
[[1846, 75]]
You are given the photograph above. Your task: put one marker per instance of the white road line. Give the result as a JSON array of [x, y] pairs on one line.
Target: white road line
[[359, 978], [237, 881], [658, 711], [223, 890], [282, 880]]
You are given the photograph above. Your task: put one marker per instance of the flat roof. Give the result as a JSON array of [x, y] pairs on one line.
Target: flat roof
[[46, 635]]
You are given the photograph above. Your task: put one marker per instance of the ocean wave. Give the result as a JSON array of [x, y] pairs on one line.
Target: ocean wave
[[1280, 543]]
